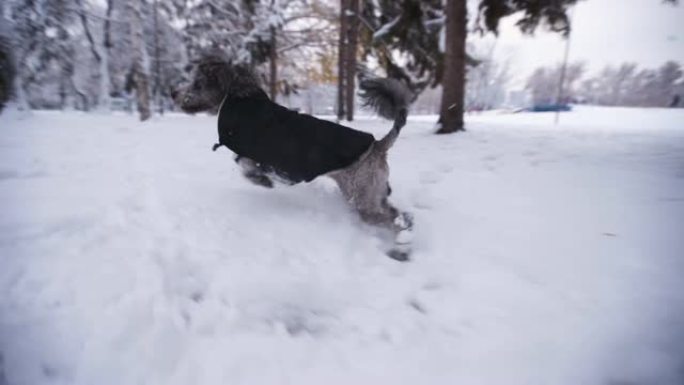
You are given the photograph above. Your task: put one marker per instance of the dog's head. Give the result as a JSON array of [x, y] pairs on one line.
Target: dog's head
[[213, 77], [205, 89]]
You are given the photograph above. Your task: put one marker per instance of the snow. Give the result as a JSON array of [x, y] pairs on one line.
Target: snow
[[132, 254]]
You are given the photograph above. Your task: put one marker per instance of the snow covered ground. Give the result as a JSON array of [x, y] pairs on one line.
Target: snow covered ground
[[132, 254]]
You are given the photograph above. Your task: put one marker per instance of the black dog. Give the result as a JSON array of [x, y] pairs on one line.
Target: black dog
[[296, 147], [272, 141]]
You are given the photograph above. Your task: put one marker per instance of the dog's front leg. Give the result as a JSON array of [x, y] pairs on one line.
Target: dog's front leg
[[252, 171]]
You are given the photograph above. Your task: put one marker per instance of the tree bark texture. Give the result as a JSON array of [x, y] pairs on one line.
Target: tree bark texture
[[273, 63], [100, 55], [157, 61], [350, 65], [65, 58], [453, 81], [139, 59], [341, 59]]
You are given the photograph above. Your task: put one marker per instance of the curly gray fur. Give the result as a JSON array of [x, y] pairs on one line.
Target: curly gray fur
[[390, 98], [215, 78]]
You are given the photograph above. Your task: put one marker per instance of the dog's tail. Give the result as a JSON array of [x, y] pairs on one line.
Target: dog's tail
[[390, 98]]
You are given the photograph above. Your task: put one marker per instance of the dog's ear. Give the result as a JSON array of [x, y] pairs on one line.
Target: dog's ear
[[212, 64], [213, 69]]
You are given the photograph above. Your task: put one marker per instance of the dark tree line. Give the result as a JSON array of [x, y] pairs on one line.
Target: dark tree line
[[431, 35], [81, 53], [423, 43], [86, 54]]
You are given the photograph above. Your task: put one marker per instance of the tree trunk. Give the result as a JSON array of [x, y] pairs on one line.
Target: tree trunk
[[19, 87], [105, 80], [100, 55], [453, 81], [273, 63], [139, 57], [351, 48], [65, 59], [341, 59], [14, 51], [157, 61]]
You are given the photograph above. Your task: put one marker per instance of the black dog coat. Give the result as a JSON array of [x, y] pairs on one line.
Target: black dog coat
[[297, 147]]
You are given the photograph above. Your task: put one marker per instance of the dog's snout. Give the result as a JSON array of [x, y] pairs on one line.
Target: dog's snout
[[181, 95]]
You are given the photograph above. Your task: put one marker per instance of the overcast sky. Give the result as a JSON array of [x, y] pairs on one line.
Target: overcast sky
[[604, 32]]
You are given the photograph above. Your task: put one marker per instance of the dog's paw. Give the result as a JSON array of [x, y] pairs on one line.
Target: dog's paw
[[399, 255], [260, 180]]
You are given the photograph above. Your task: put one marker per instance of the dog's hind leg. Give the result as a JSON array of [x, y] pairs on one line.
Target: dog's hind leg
[[252, 171], [403, 237], [399, 223], [366, 187]]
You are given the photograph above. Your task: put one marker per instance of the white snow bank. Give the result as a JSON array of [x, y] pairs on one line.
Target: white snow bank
[[132, 254]]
